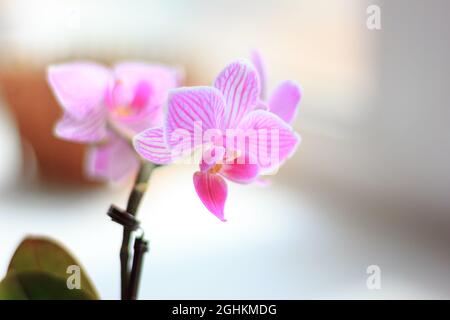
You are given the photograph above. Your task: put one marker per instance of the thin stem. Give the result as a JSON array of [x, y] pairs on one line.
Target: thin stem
[[140, 248], [134, 201]]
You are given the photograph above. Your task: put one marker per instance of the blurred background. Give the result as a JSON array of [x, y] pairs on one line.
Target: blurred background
[[368, 186]]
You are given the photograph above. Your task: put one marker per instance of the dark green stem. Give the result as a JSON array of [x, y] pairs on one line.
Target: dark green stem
[[140, 248], [134, 200]]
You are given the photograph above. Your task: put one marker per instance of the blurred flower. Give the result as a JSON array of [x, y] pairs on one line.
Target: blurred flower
[[223, 114], [106, 107]]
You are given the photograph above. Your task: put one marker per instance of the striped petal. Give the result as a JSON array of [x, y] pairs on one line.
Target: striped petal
[[80, 87], [212, 190], [239, 85], [151, 145], [90, 129], [258, 63], [270, 141], [190, 111], [113, 160], [284, 100]]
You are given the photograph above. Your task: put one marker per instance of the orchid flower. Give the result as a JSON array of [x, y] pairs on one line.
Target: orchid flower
[[221, 111], [284, 99], [106, 107]]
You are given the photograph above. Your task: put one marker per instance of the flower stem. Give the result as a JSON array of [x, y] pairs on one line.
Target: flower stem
[[134, 200], [140, 248]]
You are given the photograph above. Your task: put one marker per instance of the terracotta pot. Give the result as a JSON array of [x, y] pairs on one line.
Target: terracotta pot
[[36, 111]]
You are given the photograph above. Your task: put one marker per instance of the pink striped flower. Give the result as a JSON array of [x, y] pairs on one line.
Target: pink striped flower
[[228, 108], [107, 107]]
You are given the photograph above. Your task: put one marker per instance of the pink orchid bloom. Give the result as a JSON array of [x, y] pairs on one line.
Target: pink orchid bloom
[[106, 107], [284, 99], [228, 106]]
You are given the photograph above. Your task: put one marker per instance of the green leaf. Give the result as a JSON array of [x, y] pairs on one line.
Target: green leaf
[[38, 286], [36, 254]]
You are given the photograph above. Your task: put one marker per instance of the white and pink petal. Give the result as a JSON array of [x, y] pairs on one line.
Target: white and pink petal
[[90, 129], [284, 100], [114, 160], [80, 87], [269, 140], [191, 111], [239, 84], [151, 145], [259, 65], [149, 82]]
